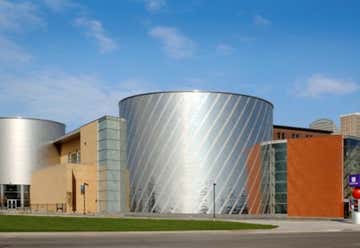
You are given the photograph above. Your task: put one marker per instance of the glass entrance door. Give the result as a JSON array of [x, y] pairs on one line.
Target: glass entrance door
[[11, 203]]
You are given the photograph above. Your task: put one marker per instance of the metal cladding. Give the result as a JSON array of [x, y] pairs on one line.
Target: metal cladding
[[181, 143], [323, 124], [21, 140]]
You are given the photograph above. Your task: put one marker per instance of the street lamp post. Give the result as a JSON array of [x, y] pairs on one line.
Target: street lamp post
[[84, 192], [214, 185]]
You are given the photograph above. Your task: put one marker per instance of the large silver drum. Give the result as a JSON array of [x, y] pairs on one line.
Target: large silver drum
[[181, 143]]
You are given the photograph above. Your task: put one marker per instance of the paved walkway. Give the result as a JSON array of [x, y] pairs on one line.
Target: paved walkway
[[305, 226]]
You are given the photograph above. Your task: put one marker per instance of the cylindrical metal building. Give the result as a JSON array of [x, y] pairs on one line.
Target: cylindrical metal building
[[181, 143], [21, 143], [323, 124]]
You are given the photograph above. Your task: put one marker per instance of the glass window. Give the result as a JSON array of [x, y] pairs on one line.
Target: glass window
[[351, 161], [113, 124], [113, 144], [74, 157], [26, 188], [280, 156], [274, 157], [281, 208], [13, 192], [109, 134], [282, 135], [281, 198], [8, 188], [109, 155], [280, 176], [280, 187]]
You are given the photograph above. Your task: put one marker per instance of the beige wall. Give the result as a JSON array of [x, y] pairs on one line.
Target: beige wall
[[59, 184], [350, 124], [88, 143], [49, 185], [50, 155], [86, 174], [72, 145], [85, 142]]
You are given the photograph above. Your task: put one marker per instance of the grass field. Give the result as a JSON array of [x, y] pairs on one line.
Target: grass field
[[16, 223]]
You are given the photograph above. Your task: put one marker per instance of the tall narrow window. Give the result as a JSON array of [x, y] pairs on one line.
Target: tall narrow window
[[74, 157]]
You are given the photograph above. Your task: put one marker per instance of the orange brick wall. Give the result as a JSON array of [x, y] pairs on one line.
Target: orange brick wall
[[253, 185], [315, 167]]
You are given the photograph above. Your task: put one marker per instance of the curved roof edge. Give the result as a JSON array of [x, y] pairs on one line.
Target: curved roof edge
[[194, 91], [29, 118], [322, 119]]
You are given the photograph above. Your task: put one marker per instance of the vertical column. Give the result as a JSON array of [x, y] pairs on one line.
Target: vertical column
[[1, 195], [272, 180], [22, 196], [124, 173], [109, 164]]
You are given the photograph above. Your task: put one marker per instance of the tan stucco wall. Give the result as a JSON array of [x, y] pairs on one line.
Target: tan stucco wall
[[86, 174], [49, 185], [126, 184], [54, 185], [88, 143], [50, 155], [60, 182], [67, 147]]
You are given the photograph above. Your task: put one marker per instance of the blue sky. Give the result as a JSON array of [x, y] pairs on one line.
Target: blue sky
[[71, 61]]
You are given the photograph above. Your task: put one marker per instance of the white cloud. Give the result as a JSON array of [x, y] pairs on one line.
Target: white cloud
[[261, 21], [224, 49], [16, 16], [320, 85], [95, 30], [73, 99], [11, 52], [154, 5], [175, 44]]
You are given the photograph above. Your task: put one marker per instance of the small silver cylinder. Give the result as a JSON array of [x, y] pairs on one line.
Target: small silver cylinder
[[21, 143]]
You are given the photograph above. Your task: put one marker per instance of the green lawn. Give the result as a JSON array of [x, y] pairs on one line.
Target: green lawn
[[16, 223]]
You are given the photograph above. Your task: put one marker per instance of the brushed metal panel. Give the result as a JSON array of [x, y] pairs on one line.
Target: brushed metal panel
[[180, 143], [21, 141]]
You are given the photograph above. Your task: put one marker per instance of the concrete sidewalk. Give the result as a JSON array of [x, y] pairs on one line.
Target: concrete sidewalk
[[306, 226]]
